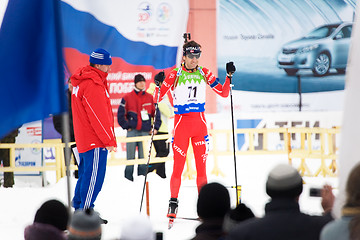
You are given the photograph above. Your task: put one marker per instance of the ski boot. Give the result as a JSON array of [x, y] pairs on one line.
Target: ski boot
[[172, 211]]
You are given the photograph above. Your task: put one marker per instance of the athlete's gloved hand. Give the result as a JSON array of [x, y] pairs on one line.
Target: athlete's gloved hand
[[159, 78], [230, 69]]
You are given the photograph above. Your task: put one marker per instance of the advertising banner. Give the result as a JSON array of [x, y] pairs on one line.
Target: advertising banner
[[284, 48], [29, 157], [141, 36]]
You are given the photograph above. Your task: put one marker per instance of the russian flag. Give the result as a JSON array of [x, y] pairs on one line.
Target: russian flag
[[142, 37]]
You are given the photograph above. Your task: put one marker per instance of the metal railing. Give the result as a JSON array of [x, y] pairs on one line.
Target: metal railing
[[256, 141]]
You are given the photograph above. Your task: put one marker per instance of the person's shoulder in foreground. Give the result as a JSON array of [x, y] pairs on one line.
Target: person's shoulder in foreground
[[283, 218], [348, 226]]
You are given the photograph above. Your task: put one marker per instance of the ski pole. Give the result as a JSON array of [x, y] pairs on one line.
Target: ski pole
[[233, 133], [151, 142]]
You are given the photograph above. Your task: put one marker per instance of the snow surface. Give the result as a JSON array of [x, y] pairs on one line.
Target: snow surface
[[121, 198]]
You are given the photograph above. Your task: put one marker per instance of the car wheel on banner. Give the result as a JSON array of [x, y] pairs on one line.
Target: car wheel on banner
[[322, 65]]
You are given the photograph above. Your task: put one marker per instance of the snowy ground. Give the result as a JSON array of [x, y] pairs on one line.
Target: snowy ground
[[120, 198]]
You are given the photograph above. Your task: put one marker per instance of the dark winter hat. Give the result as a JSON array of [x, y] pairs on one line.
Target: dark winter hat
[[213, 201], [284, 181], [138, 78], [100, 56], [85, 224], [54, 213], [192, 48]]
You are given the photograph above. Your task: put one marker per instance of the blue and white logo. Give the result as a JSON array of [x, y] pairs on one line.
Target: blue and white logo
[[163, 13]]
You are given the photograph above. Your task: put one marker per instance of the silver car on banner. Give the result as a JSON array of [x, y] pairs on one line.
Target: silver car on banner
[[323, 48]]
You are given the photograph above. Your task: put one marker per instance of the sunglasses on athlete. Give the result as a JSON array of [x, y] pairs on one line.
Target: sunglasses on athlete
[[191, 56]]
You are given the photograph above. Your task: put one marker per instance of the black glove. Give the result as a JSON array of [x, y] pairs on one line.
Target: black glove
[[230, 68], [159, 78]]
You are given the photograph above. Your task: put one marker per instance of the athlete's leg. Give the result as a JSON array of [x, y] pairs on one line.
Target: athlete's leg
[[93, 176], [200, 143], [200, 148], [180, 145]]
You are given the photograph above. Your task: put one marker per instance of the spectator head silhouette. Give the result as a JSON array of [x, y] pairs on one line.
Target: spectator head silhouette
[[85, 224], [213, 201], [284, 181], [51, 219]]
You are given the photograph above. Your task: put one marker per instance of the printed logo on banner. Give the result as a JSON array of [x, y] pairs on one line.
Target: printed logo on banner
[[144, 12], [33, 131], [29, 133], [164, 13], [49, 153], [36, 150]]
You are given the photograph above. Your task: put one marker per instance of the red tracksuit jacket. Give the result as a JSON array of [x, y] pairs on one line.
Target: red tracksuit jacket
[[92, 113]]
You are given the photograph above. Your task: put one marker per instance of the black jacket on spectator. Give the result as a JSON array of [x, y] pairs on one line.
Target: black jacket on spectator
[[210, 230], [282, 221]]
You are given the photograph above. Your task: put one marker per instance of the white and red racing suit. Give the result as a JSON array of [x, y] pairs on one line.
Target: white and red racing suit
[[189, 92]]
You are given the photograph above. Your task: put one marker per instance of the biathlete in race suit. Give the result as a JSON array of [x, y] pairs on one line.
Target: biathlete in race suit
[[188, 84]]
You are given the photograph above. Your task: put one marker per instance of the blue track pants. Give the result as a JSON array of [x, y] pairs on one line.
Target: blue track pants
[[92, 170]]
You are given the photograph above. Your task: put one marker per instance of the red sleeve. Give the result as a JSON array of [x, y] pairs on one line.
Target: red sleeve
[[221, 90], [170, 97], [166, 85], [96, 103]]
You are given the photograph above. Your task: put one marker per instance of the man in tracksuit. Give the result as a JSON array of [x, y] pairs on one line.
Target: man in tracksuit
[[135, 113], [188, 84], [93, 126]]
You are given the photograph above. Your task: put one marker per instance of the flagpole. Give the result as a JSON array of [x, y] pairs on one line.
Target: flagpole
[[66, 137], [65, 115]]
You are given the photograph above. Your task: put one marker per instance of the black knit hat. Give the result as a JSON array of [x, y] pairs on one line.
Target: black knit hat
[[54, 213], [213, 201], [138, 78], [284, 181]]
